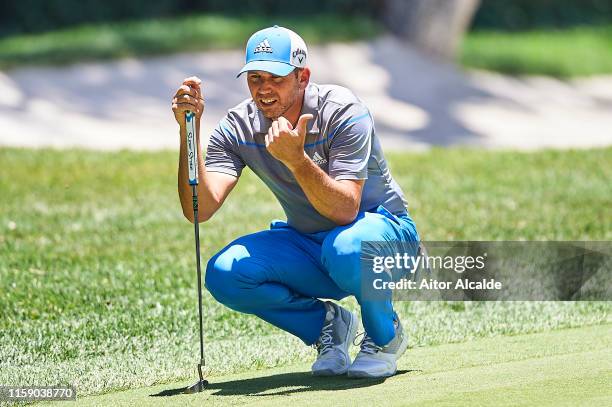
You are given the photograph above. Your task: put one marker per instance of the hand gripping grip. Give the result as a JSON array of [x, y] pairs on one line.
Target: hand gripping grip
[[192, 151]]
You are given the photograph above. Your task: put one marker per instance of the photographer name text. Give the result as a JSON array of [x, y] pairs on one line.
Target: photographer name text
[[431, 284]]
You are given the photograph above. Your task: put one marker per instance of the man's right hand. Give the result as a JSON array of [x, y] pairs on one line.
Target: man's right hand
[[188, 97]]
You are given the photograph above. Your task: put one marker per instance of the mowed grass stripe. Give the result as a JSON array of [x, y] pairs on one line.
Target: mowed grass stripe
[[565, 367]]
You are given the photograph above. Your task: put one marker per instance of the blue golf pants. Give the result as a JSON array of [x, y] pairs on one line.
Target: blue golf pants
[[280, 274]]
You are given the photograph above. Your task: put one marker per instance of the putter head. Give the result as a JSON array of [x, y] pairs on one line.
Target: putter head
[[198, 387]]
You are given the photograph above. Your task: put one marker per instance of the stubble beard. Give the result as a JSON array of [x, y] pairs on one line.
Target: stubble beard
[[276, 114], [282, 108]]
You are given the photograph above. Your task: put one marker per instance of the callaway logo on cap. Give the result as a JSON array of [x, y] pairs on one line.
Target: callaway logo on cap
[[277, 50]]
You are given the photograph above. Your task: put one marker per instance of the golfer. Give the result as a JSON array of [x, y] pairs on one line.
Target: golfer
[[315, 147]]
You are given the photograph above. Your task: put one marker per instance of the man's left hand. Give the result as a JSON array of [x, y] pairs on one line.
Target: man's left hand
[[285, 143]]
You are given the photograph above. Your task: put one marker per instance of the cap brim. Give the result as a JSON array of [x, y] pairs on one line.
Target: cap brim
[[274, 67]]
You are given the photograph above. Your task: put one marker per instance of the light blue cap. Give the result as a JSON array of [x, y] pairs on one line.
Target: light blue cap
[[277, 50]]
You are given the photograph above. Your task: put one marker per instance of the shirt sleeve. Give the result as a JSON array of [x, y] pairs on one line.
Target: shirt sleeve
[[222, 151], [351, 144]]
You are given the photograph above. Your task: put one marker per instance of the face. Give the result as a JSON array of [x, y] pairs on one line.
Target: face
[[276, 95]]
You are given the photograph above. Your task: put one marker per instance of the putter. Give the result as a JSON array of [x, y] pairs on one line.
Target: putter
[[192, 160]]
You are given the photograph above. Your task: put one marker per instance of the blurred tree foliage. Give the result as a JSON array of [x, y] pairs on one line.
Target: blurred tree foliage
[[23, 16]]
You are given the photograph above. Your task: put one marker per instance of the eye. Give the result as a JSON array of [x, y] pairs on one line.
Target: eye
[[278, 79], [254, 78]]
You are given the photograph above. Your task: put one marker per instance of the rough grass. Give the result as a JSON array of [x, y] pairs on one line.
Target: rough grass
[[563, 53], [577, 51], [97, 266], [169, 35]]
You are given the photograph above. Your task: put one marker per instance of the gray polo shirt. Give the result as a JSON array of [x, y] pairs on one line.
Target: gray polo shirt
[[340, 139]]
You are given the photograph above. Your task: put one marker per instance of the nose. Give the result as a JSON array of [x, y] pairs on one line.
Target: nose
[[265, 88]]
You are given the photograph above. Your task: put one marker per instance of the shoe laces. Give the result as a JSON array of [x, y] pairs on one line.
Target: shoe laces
[[366, 344], [326, 340]]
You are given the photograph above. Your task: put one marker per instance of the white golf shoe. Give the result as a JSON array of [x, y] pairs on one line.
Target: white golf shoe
[[338, 333], [379, 361]]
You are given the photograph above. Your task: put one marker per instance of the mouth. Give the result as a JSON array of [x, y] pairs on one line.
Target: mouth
[[267, 102]]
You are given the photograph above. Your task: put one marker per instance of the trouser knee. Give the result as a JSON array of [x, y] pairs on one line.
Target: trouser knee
[[340, 254], [223, 280], [216, 280]]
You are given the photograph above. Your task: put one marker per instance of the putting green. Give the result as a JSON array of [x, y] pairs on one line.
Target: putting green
[[570, 367]]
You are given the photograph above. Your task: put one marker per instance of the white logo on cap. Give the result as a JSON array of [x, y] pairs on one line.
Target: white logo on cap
[[263, 46]]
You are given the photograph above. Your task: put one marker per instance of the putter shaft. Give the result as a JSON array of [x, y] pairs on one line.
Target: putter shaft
[[199, 271], [192, 161]]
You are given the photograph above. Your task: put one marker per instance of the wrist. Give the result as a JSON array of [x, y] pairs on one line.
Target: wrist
[[298, 163]]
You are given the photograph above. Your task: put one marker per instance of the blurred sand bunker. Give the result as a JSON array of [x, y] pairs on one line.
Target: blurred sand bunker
[[417, 102]]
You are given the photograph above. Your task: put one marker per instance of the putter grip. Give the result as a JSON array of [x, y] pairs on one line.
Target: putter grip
[[192, 151]]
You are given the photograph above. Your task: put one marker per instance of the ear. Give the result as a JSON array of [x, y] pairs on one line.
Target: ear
[[304, 78]]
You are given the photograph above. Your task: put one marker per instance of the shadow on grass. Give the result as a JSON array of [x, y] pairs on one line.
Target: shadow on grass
[[281, 384]]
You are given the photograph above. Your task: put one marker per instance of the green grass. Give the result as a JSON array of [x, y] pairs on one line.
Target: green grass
[[570, 52], [171, 35], [97, 266], [561, 368]]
